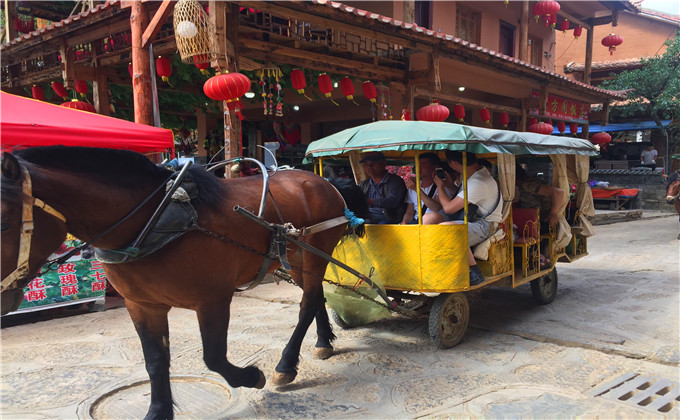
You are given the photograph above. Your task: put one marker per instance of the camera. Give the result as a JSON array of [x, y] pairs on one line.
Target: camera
[[440, 173]]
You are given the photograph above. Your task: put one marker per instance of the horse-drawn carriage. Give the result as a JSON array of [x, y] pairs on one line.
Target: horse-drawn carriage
[[414, 262]]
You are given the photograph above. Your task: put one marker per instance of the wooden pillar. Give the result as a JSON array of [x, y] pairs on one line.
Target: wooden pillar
[[589, 56], [68, 69], [10, 15], [409, 10], [100, 93], [524, 32], [141, 66], [435, 79], [201, 131]]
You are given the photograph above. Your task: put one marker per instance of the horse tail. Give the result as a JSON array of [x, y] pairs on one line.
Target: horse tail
[[355, 201]]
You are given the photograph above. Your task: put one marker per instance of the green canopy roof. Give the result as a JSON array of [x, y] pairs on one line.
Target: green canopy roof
[[402, 136]]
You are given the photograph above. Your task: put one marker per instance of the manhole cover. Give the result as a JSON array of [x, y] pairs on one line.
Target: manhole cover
[[195, 398], [656, 394]]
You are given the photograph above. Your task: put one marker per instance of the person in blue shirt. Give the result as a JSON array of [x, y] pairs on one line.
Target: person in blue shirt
[[384, 191]]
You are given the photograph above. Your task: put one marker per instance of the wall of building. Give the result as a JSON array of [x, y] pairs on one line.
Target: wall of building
[[643, 36]]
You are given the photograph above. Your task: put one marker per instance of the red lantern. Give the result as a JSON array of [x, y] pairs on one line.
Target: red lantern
[[551, 21], [347, 87], [37, 93], [536, 12], [59, 89], [406, 114], [433, 112], [130, 71], [578, 31], [369, 90], [573, 128], [297, 79], [163, 68], [504, 119], [532, 121], [76, 104], [564, 26], [541, 128], [81, 87], [546, 8], [548, 121], [485, 115], [202, 62], [226, 86], [561, 127], [459, 112], [236, 106], [601, 138], [326, 86], [612, 41]]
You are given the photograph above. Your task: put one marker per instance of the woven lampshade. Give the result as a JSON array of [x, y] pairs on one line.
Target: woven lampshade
[[192, 32]]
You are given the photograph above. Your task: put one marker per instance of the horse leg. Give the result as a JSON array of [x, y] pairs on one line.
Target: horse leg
[[312, 300], [151, 323], [324, 332], [213, 320]]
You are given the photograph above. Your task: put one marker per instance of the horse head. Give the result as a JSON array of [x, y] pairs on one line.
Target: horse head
[[28, 237]]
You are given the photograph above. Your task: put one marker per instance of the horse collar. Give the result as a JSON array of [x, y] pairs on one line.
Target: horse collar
[[29, 202]]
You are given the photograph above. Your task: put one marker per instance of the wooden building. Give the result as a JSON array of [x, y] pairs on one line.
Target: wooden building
[[489, 55]]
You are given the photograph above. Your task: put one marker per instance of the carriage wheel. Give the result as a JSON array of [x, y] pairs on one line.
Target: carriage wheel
[[544, 288], [339, 321], [449, 318]]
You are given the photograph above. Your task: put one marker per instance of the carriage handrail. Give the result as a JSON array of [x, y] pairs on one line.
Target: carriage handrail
[[265, 176], [271, 226]]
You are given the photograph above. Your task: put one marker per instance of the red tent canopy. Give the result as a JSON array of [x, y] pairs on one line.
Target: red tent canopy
[[27, 122]]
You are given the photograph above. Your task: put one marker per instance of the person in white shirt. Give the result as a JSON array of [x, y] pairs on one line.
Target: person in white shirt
[[648, 157], [429, 193], [484, 193]]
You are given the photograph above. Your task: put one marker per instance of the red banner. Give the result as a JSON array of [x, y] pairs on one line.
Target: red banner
[[563, 109]]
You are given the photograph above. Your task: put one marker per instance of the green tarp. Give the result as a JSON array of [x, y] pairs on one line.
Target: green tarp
[[400, 136]]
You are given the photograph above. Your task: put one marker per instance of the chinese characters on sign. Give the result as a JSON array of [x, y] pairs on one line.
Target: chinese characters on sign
[[563, 109]]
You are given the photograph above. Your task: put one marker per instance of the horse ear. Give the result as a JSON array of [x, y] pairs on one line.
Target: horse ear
[[10, 167]]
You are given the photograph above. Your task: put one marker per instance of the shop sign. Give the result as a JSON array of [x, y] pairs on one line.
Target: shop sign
[[78, 278], [563, 109]]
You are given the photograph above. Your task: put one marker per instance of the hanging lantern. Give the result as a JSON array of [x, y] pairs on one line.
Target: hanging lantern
[[81, 87], [601, 139], [564, 26], [573, 128], [60, 90], [37, 93], [548, 121], [459, 112], [546, 8], [551, 21], [369, 90], [532, 121], [561, 127], [536, 12], [406, 114], [297, 79], [326, 86], [504, 119], [192, 32], [347, 87], [433, 112], [202, 62], [130, 71], [226, 86], [578, 31], [163, 68], [76, 104], [612, 41], [236, 106], [541, 128], [485, 115]]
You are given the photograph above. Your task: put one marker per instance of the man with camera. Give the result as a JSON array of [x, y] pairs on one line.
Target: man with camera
[[484, 204], [384, 191], [429, 193]]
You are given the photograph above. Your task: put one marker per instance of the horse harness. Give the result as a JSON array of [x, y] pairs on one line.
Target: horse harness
[[9, 282]]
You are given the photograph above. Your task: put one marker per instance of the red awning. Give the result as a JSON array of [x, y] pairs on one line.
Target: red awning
[[28, 122]]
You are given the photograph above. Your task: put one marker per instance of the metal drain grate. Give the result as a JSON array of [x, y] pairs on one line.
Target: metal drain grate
[[656, 394]]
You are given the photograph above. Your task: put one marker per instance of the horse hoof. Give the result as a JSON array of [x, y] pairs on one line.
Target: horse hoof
[[322, 353], [283, 378], [261, 382]]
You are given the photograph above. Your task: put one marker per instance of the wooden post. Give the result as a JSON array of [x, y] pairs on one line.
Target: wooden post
[[68, 70], [141, 80], [435, 79], [409, 10], [100, 84], [524, 32], [589, 56]]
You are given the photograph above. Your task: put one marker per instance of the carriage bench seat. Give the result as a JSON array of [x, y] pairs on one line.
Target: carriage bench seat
[[528, 230]]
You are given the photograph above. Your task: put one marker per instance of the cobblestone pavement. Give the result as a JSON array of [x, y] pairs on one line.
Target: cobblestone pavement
[[615, 318]]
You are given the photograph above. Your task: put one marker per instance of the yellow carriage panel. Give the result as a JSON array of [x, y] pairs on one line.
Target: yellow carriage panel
[[423, 258]]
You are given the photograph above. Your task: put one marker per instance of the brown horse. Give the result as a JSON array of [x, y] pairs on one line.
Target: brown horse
[[85, 191], [673, 191]]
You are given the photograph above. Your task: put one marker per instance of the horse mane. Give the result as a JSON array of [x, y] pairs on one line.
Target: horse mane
[[130, 169], [354, 199]]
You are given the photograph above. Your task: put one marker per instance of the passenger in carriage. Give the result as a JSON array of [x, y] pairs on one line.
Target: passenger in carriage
[[533, 193], [484, 193], [385, 192], [429, 193]]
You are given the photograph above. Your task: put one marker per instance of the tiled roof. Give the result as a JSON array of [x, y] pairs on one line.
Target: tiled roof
[[667, 16], [622, 64], [61, 23], [473, 47]]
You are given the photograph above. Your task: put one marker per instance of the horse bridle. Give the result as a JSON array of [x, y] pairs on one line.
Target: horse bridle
[[29, 202]]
